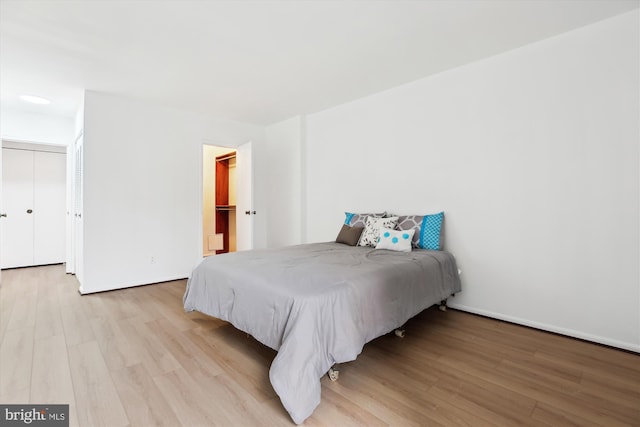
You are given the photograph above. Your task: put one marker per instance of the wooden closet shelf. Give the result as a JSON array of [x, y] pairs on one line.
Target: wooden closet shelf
[[225, 207]]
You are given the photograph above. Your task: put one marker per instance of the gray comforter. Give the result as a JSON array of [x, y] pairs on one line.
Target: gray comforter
[[318, 304]]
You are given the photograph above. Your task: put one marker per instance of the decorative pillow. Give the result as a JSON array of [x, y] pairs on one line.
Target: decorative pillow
[[349, 235], [360, 220], [395, 240], [372, 230], [428, 230]]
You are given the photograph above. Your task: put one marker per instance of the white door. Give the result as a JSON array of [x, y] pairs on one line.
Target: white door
[[69, 236], [244, 198], [49, 208], [2, 212], [77, 210], [17, 191], [34, 201]]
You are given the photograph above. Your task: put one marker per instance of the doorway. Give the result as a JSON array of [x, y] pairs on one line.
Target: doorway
[[227, 224]]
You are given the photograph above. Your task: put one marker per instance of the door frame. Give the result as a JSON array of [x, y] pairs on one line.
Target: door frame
[[76, 188], [220, 144]]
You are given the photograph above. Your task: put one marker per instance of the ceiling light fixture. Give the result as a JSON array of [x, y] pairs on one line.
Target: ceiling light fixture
[[35, 99]]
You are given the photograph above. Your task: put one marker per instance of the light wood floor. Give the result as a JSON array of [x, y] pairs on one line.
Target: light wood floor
[[133, 357]]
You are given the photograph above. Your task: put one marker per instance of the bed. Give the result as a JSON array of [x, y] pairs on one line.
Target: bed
[[318, 304]]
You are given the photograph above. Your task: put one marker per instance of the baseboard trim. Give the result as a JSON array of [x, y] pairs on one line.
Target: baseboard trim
[[130, 285], [549, 328]]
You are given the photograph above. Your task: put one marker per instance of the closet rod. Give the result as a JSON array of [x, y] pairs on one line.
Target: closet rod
[[226, 157]]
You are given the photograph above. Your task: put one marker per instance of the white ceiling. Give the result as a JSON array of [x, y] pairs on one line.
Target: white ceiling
[[259, 61]]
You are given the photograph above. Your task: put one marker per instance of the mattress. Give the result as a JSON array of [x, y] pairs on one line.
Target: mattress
[[318, 304]]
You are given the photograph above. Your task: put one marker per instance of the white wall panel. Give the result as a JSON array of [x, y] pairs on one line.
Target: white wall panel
[[284, 140], [534, 157], [33, 127], [142, 194]]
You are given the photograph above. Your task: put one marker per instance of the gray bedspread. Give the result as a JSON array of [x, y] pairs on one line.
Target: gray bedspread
[[318, 304]]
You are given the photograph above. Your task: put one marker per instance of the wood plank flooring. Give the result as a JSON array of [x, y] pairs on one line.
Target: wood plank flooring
[[133, 357]]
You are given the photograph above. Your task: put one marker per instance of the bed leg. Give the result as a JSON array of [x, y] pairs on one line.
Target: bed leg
[[443, 305], [399, 332], [333, 373]]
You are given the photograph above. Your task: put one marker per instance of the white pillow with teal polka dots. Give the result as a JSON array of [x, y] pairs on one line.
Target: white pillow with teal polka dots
[[395, 240]]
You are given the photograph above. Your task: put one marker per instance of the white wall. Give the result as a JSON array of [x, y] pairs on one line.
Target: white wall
[[533, 155], [33, 127], [143, 190], [284, 159]]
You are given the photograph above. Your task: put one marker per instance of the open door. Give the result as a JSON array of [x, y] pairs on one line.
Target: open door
[[3, 214], [244, 198], [70, 266], [78, 229]]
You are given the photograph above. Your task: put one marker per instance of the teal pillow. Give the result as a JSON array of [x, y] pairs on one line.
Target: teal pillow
[[360, 220]]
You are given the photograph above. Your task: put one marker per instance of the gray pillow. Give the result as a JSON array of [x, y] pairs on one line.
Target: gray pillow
[[428, 234], [349, 235]]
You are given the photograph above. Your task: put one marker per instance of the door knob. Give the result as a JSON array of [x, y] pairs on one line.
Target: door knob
[[29, 211], [3, 215], [253, 212], [247, 212]]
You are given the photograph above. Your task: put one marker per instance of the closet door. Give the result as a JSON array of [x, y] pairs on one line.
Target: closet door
[[17, 192], [34, 193], [49, 209]]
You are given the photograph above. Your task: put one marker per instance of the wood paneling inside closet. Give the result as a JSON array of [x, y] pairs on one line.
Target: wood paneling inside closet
[[225, 201]]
